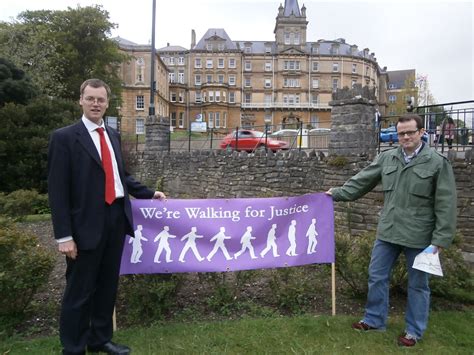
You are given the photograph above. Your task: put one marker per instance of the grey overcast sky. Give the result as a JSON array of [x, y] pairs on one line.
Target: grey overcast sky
[[433, 37]]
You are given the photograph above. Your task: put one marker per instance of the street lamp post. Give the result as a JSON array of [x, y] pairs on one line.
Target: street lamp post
[[151, 109]]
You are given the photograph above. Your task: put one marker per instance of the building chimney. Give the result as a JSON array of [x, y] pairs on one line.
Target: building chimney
[[193, 39]]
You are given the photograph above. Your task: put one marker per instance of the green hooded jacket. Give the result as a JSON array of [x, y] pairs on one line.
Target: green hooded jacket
[[419, 197]]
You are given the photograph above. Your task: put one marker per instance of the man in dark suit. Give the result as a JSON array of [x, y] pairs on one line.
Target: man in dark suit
[[89, 198]]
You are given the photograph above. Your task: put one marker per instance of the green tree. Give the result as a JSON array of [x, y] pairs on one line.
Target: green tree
[[14, 85], [60, 49], [24, 134]]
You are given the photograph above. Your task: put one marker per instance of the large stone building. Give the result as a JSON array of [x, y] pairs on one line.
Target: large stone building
[[229, 84]]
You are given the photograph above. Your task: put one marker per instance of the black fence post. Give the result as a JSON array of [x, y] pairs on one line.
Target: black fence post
[[237, 138], [189, 139], [212, 135]]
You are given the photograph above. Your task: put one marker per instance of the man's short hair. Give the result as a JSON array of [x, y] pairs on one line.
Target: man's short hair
[[95, 83], [411, 116]]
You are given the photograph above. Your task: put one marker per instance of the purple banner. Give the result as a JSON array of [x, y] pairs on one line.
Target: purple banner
[[229, 234]]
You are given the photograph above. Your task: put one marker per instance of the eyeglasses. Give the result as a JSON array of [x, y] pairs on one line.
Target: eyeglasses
[[91, 100], [408, 133]]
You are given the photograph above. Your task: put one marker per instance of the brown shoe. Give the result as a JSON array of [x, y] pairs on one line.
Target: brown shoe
[[361, 325], [407, 340]]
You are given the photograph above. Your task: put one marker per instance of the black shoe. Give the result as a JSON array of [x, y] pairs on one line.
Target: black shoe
[[110, 348]]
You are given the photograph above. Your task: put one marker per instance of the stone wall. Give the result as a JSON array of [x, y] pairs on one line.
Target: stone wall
[[219, 174]]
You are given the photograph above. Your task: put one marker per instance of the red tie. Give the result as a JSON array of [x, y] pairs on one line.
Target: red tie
[[107, 165]]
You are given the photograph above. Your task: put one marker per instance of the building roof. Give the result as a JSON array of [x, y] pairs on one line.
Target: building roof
[[215, 34], [169, 48], [291, 8], [397, 78]]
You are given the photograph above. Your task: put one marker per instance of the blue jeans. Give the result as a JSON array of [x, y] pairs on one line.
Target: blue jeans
[[383, 258]]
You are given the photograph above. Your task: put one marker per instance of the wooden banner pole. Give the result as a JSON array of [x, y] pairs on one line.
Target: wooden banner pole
[[333, 287], [114, 320]]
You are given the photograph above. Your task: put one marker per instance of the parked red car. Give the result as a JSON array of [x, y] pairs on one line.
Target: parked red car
[[250, 140]]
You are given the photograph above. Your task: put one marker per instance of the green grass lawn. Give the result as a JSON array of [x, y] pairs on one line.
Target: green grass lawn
[[448, 333]]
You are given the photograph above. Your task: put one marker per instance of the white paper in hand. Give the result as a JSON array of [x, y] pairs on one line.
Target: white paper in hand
[[428, 262]]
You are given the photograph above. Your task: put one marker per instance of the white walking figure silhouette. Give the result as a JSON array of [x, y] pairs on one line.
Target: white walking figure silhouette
[[312, 234], [246, 242], [292, 239], [190, 244], [137, 249], [163, 237], [271, 244], [219, 238]]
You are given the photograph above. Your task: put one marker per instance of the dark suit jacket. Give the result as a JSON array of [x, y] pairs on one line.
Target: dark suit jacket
[[76, 185]]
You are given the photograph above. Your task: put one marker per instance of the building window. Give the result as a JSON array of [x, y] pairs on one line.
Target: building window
[[210, 95], [248, 98], [220, 62], [315, 66], [268, 49], [392, 86], [171, 77], [232, 63], [224, 119], [209, 63], [315, 83], [171, 60], [217, 117], [140, 103], [181, 77], [314, 121], [367, 70], [287, 37], [209, 46], [140, 126], [268, 66], [224, 96], [354, 68], [197, 63], [173, 97], [231, 79], [247, 81], [231, 97], [353, 82], [248, 49], [140, 69], [173, 119], [291, 65], [335, 67], [198, 98], [268, 83], [210, 119], [180, 60], [314, 99], [268, 99], [221, 46], [291, 99], [209, 78], [335, 84], [218, 96], [220, 78], [197, 79], [181, 120], [248, 65], [297, 38], [180, 97], [392, 98], [291, 82]]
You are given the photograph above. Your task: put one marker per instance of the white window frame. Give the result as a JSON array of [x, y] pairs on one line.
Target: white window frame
[[247, 65], [139, 125], [335, 67], [209, 63], [354, 68], [315, 66], [220, 63], [315, 83], [231, 97], [197, 79], [197, 63], [247, 81], [140, 103], [232, 63], [268, 83], [232, 79], [268, 66]]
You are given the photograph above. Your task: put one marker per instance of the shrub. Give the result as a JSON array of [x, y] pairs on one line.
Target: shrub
[[25, 266], [353, 258], [293, 288], [148, 298], [227, 288], [21, 203]]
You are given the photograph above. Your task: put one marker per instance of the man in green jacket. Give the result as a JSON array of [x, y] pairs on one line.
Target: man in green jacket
[[419, 210]]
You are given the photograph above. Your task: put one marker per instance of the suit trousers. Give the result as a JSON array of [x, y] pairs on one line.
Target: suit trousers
[[91, 287]]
